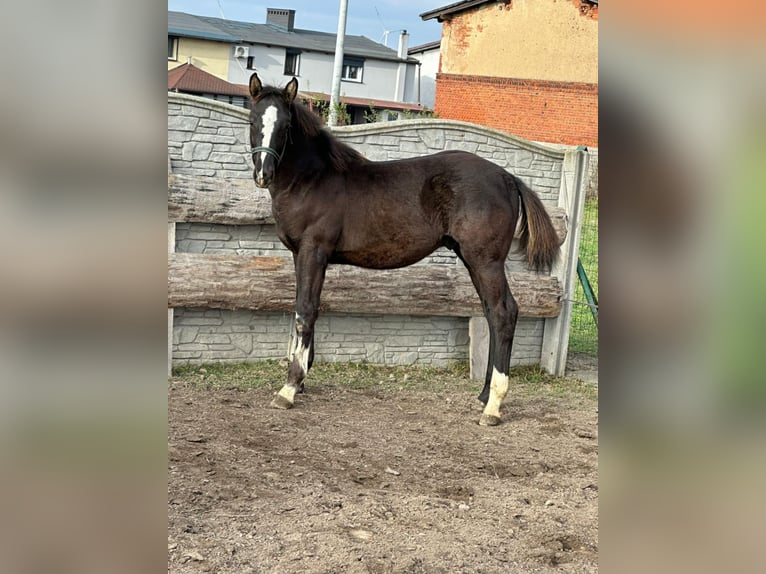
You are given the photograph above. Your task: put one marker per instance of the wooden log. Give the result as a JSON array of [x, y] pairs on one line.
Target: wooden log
[[268, 284], [240, 202], [217, 200]]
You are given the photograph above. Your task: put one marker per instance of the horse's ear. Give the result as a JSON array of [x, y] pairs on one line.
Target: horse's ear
[[255, 85], [291, 90]]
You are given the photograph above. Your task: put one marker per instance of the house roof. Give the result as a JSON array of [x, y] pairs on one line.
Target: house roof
[[435, 45], [189, 78], [182, 24], [439, 13], [377, 103]]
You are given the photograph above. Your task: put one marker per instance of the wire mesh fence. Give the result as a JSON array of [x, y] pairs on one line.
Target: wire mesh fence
[[583, 334]]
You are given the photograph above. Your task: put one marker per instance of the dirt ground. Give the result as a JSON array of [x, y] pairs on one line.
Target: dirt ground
[[583, 366], [380, 481]]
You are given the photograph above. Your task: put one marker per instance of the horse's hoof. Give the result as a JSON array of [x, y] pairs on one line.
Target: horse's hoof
[[489, 421], [281, 402]]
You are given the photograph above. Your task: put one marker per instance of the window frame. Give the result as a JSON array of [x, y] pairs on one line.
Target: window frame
[[172, 48], [296, 54], [352, 62], [250, 64]]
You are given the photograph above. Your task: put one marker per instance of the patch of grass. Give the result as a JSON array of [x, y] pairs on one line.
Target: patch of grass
[[251, 375], [534, 381], [412, 378], [270, 373]]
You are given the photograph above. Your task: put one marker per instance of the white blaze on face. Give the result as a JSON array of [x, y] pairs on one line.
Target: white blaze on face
[[269, 120], [498, 388]]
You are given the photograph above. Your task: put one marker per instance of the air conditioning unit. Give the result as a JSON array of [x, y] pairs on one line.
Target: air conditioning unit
[[241, 51]]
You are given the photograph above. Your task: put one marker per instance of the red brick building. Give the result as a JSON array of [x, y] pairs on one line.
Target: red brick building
[[527, 67]]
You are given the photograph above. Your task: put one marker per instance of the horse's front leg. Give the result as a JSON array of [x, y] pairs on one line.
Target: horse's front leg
[[310, 267]]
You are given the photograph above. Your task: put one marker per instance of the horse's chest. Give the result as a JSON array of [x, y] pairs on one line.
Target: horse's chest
[[300, 218], [291, 241], [289, 226]]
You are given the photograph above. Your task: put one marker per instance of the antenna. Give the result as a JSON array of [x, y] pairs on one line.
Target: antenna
[[386, 31]]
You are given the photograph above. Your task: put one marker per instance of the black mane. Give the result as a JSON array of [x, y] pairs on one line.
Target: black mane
[[339, 155]]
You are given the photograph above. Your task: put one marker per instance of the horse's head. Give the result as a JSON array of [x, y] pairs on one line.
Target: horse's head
[[269, 126]]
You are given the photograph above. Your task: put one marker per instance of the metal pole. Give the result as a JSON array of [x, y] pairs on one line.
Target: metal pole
[[419, 82], [338, 64]]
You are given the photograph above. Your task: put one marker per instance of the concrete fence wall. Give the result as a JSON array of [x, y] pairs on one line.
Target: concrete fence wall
[[209, 138]]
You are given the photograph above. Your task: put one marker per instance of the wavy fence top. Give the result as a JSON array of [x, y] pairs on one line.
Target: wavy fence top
[[210, 138]]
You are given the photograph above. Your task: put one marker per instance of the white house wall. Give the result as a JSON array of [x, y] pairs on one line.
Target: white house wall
[[269, 64], [316, 71], [429, 66], [379, 81], [411, 85]]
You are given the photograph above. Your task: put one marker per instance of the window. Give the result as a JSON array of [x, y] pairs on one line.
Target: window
[[352, 69], [292, 62], [250, 63], [172, 48]]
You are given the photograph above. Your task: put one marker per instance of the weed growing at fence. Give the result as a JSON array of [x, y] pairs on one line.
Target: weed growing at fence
[[373, 114], [323, 108]]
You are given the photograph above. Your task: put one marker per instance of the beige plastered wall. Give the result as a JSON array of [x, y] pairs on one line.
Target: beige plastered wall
[[528, 39], [207, 55]]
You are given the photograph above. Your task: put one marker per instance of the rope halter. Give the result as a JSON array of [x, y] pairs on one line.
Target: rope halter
[[270, 150]]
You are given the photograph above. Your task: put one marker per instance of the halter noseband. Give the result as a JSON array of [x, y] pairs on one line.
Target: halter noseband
[[270, 150]]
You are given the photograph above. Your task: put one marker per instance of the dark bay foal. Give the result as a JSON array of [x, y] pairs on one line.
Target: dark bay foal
[[331, 205]]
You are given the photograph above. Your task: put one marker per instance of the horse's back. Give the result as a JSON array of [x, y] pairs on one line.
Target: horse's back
[[397, 212]]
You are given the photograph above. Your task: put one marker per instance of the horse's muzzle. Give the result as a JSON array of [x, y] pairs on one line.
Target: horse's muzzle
[[264, 173]]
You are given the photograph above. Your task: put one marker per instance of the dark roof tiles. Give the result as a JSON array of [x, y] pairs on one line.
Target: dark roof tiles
[[182, 24]]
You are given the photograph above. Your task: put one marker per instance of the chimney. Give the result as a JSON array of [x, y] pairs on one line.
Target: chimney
[[281, 18], [401, 72], [404, 40]]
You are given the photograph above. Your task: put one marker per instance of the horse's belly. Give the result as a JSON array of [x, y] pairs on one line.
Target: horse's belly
[[387, 257]]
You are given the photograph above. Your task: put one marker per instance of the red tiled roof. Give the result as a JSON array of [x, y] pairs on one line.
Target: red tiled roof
[[189, 78]]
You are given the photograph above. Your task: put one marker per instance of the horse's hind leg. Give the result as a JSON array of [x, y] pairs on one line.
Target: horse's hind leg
[[502, 312], [310, 267], [484, 395]]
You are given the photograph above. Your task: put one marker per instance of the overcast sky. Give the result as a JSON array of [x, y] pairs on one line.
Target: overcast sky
[[322, 15]]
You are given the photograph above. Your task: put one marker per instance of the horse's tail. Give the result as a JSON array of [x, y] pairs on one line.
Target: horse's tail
[[538, 237]]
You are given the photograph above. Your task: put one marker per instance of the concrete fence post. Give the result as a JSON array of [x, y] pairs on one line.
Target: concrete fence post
[[572, 198]]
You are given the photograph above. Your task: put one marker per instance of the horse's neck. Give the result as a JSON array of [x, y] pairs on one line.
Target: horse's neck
[[307, 152], [303, 161]]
